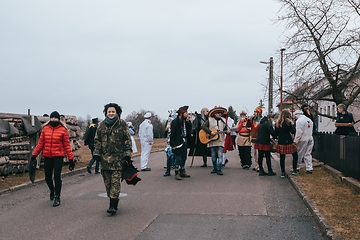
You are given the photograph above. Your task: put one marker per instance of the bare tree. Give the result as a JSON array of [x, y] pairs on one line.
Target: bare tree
[[324, 44]]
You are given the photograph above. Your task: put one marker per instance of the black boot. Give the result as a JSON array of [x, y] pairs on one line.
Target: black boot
[[204, 161], [56, 201], [113, 205], [262, 173], [183, 174], [52, 195]]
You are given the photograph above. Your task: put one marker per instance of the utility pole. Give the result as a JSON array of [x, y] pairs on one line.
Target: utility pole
[[271, 80], [281, 77]]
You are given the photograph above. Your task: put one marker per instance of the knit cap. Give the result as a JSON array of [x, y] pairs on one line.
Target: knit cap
[[55, 114]]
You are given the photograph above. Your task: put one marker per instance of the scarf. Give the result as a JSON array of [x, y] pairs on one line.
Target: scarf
[[109, 121]]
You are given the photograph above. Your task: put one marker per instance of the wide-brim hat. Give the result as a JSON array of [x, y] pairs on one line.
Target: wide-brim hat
[[221, 110], [182, 109]]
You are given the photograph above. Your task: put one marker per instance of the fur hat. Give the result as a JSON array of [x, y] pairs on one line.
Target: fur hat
[[182, 109], [55, 114], [147, 115], [217, 109]]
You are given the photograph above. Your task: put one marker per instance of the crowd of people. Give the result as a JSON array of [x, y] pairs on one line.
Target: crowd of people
[[210, 133]]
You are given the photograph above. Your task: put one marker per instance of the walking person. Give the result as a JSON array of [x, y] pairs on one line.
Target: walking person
[[179, 138], [216, 127], [54, 143], [304, 140], [112, 145], [89, 141], [285, 130], [146, 136], [262, 144]]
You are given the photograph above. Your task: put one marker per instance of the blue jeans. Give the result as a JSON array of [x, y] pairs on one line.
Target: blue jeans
[[216, 153]]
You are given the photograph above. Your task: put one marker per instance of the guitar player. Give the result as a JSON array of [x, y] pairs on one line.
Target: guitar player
[[216, 125]]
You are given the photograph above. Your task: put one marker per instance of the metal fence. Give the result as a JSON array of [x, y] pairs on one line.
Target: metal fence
[[339, 152]]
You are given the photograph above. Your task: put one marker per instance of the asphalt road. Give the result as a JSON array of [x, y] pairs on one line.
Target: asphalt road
[[238, 205]]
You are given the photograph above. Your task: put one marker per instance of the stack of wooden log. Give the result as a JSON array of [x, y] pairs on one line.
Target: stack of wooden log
[[17, 144]]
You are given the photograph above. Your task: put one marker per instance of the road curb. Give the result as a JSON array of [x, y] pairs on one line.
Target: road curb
[[325, 227]]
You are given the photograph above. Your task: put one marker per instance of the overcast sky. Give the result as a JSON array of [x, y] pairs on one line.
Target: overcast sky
[[76, 56]]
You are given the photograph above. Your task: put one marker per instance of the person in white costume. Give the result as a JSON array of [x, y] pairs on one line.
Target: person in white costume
[[304, 140], [146, 136], [132, 134]]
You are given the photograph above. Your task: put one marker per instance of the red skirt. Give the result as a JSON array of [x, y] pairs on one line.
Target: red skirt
[[262, 147], [287, 149], [228, 146]]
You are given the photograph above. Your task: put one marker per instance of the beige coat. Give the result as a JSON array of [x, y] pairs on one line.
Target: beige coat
[[220, 126], [244, 140]]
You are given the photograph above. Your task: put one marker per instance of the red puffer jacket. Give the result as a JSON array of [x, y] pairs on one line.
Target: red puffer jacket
[[54, 142]]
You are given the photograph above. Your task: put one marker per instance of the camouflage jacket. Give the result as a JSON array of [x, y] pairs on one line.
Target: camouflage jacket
[[112, 144]]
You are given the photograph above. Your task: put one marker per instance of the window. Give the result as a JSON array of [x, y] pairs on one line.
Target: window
[[321, 111]]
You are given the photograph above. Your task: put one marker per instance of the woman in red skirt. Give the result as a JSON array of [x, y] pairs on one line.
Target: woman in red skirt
[[262, 144], [284, 129]]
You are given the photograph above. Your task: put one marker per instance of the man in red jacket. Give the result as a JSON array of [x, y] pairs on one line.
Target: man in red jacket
[[54, 142]]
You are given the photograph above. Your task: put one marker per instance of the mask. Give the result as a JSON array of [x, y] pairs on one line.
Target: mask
[[54, 124]]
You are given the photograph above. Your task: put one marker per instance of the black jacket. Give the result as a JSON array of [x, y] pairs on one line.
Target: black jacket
[[176, 136], [284, 133], [265, 130], [90, 135]]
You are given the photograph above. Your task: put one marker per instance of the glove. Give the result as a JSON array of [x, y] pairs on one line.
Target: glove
[[33, 158], [71, 165], [125, 161], [97, 158]]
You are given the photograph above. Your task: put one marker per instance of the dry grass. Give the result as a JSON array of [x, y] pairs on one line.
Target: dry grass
[[336, 201], [339, 204]]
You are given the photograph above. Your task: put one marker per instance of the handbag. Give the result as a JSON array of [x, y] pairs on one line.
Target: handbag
[[273, 146]]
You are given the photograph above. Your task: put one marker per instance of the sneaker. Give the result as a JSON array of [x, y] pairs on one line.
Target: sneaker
[[220, 172], [283, 175], [88, 169], [295, 172], [166, 174], [308, 171], [214, 171], [246, 167], [204, 165]]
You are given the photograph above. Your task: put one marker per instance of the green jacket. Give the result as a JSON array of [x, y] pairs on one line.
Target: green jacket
[[112, 144]]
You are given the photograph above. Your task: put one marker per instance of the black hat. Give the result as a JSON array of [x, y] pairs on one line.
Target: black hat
[[305, 105], [95, 120], [55, 114], [182, 109]]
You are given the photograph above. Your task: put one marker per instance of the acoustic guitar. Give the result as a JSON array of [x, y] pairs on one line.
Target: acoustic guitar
[[205, 137]]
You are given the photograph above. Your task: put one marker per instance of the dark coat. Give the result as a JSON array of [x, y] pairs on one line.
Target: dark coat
[[265, 130], [284, 133], [176, 136], [90, 135]]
